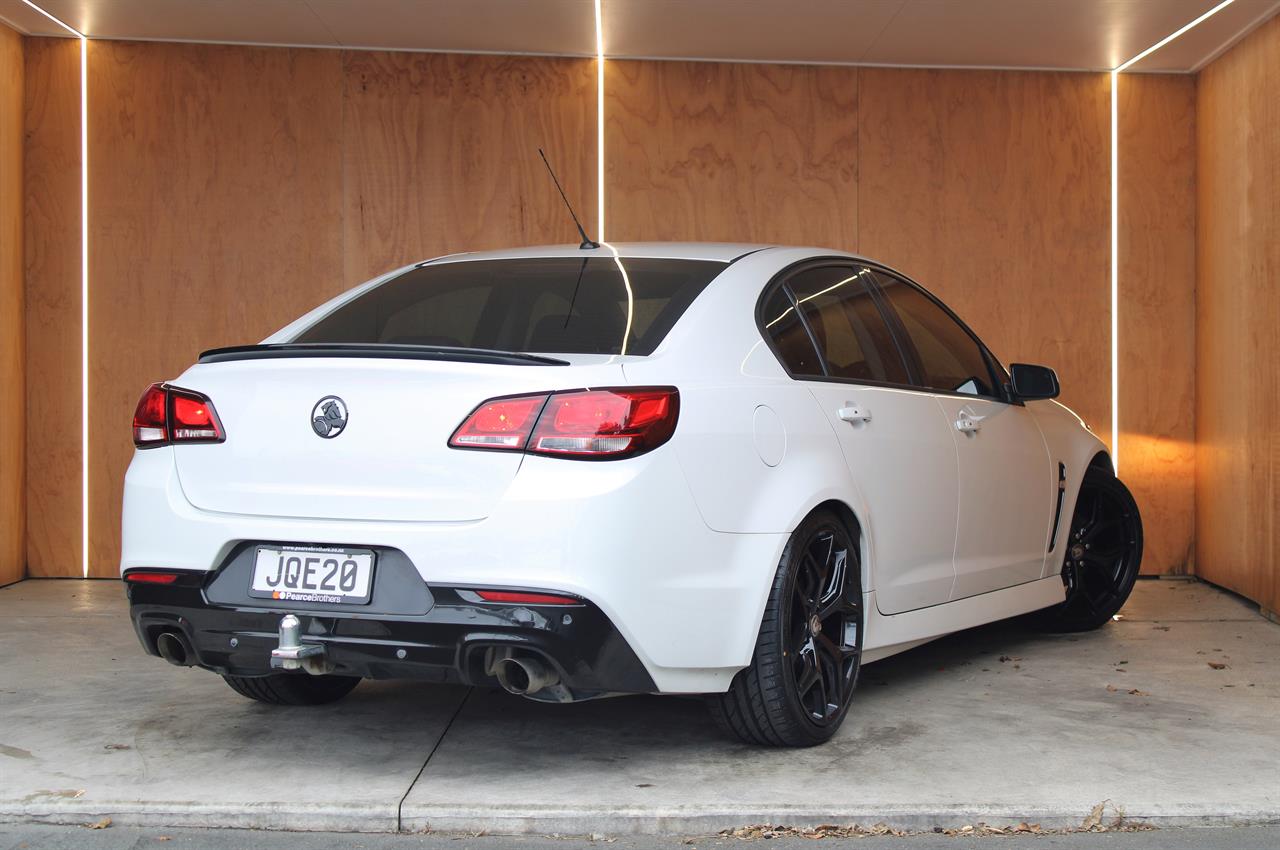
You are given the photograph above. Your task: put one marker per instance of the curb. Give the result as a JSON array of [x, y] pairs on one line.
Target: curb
[[533, 820], [294, 817]]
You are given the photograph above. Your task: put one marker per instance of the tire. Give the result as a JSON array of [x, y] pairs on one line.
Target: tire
[[776, 700], [1102, 558], [293, 688]]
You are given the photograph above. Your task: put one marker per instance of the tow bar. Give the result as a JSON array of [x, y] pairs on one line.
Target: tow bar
[[293, 654]]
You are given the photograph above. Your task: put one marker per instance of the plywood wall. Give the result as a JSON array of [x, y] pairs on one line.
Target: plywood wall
[[718, 152], [1157, 311], [52, 262], [234, 188], [215, 215], [1237, 319], [246, 184], [440, 154], [13, 509], [991, 188]]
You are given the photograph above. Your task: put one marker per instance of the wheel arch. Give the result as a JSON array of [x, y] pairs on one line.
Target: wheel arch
[[1102, 461], [849, 517]]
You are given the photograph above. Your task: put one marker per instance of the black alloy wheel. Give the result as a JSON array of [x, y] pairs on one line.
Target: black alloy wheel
[[1102, 557], [798, 688]]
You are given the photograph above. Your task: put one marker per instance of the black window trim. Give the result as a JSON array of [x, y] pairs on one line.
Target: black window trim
[[781, 281]]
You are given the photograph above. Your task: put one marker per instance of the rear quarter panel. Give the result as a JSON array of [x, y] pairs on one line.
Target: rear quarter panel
[[756, 450]]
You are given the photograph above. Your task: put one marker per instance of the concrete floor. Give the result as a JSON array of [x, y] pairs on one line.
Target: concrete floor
[[995, 724]]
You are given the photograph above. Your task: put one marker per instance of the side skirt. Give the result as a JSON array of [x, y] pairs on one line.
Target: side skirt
[[890, 634]]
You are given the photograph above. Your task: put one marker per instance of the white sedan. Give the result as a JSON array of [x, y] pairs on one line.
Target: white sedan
[[733, 470]]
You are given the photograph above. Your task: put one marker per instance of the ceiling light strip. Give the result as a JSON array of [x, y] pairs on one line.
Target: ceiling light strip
[[599, 125], [1115, 220], [1168, 38], [84, 285]]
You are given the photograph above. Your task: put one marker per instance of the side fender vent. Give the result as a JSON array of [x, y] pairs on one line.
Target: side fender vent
[[1057, 513]]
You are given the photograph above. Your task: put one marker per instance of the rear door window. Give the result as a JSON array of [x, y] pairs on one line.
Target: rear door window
[[553, 305], [832, 308]]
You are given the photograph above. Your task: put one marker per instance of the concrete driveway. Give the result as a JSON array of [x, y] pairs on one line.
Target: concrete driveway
[[992, 725]]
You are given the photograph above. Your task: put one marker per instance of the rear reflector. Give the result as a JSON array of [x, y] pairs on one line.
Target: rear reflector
[[167, 415], [520, 598], [137, 577], [603, 424]]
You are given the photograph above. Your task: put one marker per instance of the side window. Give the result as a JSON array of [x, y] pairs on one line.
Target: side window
[[790, 339], [848, 327], [950, 358]]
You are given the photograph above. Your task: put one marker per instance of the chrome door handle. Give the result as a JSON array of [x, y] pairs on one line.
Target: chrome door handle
[[967, 424], [854, 413]]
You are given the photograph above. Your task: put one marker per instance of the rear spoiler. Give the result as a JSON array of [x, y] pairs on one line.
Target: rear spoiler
[[286, 350]]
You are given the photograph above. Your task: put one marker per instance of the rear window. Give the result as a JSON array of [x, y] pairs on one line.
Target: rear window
[[553, 305]]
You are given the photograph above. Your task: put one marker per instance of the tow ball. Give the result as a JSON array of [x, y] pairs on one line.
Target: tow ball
[[293, 654]]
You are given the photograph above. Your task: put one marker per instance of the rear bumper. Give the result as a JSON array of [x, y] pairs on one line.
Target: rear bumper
[[451, 642], [625, 536]]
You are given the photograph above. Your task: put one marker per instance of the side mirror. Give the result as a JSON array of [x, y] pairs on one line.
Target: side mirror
[[1033, 382]]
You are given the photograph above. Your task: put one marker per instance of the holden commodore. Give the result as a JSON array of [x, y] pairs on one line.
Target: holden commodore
[[576, 472]]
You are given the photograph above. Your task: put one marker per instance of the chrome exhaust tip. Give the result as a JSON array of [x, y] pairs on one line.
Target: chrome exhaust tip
[[524, 676], [174, 648]]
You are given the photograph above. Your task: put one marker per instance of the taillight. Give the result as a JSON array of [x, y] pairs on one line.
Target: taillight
[[150, 420], [604, 424], [167, 415], [500, 423]]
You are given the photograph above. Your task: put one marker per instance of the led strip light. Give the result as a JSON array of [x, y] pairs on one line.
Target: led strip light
[[84, 285], [1115, 220], [599, 125]]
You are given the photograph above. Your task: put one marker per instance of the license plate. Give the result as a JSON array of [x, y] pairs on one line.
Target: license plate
[[323, 574]]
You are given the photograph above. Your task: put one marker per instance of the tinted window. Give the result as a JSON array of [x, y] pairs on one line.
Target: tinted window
[[949, 357], [554, 305], [790, 339], [850, 332]]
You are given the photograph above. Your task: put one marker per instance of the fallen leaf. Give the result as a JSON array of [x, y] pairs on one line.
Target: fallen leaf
[[117, 747], [102, 824], [1217, 665], [1137, 693], [1094, 820], [1111, 689]]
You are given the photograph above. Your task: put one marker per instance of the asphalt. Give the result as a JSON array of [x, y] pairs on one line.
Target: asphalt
[[1168, 716], [47, 837]]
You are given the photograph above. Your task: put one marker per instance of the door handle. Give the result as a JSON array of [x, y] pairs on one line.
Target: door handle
[[967, 424], [854, 413]]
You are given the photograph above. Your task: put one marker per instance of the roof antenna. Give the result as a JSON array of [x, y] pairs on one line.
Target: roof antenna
[[586, 240]]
